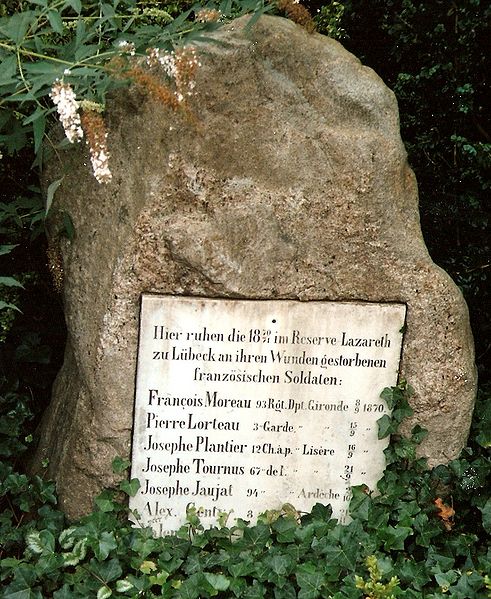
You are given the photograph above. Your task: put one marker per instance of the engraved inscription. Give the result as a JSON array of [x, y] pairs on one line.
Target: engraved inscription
[[242, 406]]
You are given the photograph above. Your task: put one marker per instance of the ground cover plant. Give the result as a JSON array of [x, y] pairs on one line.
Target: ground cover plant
[[426, 533]]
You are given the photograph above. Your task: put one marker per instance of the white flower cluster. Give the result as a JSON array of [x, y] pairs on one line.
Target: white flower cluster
[[67, 106], [126, 47], [179, 66], [168, 62], [156, 56], [99, 157]]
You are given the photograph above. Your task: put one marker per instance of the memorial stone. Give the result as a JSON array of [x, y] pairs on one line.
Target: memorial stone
[[285, 180]]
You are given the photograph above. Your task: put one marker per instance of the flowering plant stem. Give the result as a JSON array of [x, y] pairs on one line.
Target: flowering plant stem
[[58, 53]]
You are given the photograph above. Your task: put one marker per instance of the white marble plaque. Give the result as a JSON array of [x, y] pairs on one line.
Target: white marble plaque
[[242, 406]]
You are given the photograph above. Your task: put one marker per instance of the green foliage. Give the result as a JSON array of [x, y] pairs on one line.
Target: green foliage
[[397, 544], [87, 47], [373, 587], [75, 42], [482, 418], [328, 20], [13, 217]]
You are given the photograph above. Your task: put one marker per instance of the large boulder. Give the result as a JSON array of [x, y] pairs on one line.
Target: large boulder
[[286, 179]]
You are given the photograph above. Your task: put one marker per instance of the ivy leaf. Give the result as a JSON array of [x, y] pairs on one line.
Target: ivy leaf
[[279, 567], [486, 516], [65, 592], [257, 536], [359, 506], [402, 412], [445, 579], [104, 592], [385, 426], [105, 501], [243, 568], [285, 529], [130, 487], [394, 538], [310, 580], [414, 574], [22, 585], [255, 591], [467, 585], [191, 587], [418, 434], [426, 530], [107, 571], [342, 557], [405, 449], [142, 544], [105, 545], [218, 581], [320, 512], [120, 464], [287, 591], [388, 395], [48, 540]]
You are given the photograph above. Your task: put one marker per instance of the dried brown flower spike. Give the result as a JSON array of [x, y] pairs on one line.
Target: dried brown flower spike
[[208, 15], [96, 135], [297, 13]]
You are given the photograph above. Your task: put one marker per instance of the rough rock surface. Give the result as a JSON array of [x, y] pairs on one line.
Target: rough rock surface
[[290, 182]]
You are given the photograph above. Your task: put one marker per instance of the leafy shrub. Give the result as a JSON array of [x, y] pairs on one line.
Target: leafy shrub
[[404, 541]]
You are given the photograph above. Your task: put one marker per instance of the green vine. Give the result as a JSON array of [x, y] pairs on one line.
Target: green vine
[[396, 535]]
